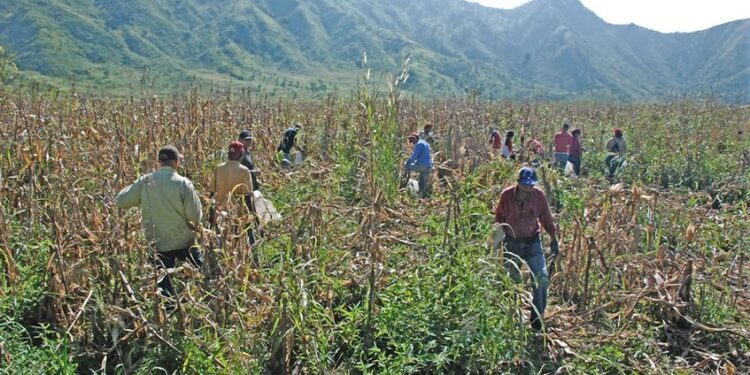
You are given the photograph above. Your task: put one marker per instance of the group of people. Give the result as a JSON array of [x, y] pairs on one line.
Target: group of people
[[172, 213], [567, 149], [171, 209]]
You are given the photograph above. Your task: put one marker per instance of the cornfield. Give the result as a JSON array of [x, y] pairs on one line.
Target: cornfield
[[359, 276]]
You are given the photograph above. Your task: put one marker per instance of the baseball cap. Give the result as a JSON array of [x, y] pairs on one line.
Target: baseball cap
[[245, 134], [527, 176], [236, 147], [168, 153]]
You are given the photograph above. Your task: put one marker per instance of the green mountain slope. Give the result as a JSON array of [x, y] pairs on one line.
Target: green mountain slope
[[547, 48]]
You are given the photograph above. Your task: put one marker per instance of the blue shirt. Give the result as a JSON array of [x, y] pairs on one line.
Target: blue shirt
[[421, 154]]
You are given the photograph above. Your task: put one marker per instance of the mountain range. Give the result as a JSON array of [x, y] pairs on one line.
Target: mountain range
[[546, 49]]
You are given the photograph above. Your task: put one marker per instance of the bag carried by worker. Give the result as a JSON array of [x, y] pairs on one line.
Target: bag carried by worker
[[265, 209]]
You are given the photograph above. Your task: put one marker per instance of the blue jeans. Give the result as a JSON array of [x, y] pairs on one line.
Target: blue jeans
[[561, 158], [424, 175], [530, 252]]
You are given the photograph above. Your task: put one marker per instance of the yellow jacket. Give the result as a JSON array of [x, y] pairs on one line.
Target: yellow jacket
[[231, 178]]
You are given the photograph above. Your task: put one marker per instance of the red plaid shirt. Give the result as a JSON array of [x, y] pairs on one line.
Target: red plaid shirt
[[524, 217]]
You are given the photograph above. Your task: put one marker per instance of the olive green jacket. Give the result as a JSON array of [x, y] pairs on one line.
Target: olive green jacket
[[170, 208]]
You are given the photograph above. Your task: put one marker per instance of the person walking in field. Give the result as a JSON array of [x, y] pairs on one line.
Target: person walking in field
[[171, 213], [535, 151], [246, 139], [522, 207], [288, 142], [616, 148], [575, 152], [232, 179], [426, 134], [562, 142], [420, 161], [507, 150], [496, 140]]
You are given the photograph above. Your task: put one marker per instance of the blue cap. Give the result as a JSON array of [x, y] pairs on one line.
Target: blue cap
[[527, 176]]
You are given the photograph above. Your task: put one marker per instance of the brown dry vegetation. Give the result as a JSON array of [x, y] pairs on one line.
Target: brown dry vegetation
[[360, 277]]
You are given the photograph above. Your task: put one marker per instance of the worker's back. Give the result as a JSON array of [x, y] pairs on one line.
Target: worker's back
[[231, 178]]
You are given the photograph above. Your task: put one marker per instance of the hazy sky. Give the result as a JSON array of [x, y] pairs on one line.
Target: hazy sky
[[660, 15]]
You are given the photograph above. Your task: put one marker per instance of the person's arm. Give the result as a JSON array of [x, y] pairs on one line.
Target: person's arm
[[623, 146], [192, 203], [546, 218], [249, 182], [500, 210], [213, 189], [294, 142], [130, 196]]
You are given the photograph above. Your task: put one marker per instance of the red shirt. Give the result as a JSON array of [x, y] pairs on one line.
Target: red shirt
[[563, 141], [524, 217], [495, 140]]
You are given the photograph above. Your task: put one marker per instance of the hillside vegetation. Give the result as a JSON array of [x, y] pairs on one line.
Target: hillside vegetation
[[360, 277], [546, 49]]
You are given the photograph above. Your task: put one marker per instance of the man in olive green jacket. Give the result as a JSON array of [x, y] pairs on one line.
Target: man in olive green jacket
[[171, 211]]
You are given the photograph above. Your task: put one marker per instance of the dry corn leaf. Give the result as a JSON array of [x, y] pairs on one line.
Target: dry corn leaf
[[729, 368], [690, 232]]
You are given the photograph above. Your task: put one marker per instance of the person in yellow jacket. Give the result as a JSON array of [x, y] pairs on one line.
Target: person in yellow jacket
[[170, 214], [232, 179]]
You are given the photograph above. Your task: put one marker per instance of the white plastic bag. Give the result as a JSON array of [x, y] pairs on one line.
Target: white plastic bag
[[570, 170], [497, 236], [413, 186], [298, 158], [264, 209]]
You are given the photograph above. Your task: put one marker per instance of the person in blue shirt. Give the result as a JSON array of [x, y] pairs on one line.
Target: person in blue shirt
[[420, 161]]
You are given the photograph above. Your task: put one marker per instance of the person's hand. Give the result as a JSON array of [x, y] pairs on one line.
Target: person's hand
[[554, 247]]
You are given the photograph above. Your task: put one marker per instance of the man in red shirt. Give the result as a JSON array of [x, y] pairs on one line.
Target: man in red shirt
[[562, 142], [522, 207]]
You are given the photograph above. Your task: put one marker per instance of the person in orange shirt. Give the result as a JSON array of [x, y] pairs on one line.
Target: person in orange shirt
[[562, 143]]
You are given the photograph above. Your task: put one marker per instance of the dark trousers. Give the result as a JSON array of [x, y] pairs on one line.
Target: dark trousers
[[576, 161], [168, 259]]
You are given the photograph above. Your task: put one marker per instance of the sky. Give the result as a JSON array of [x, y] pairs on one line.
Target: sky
[[660, 15]]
